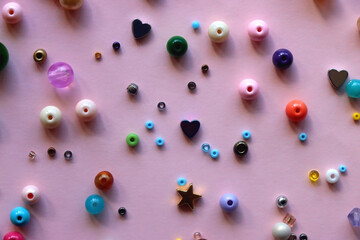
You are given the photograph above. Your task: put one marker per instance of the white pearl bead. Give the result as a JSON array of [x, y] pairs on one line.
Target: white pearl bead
[[86, 110], [50, 117], [332, 176], [218, 31], [281, 231], [30, 194]]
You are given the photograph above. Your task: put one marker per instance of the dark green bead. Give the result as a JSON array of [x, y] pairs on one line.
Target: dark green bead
[[177, 46], [4, 56]]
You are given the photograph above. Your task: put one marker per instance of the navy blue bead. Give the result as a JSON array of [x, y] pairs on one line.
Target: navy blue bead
[[116, 46], [282, 59]]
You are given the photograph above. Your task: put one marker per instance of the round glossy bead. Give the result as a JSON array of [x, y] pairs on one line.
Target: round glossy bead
[[303, 236], [86, 110], [214, 154], [149, 125], [122, 211], [68, 155], [205, 68], [296, 110], [71, 4], [30, 194], [195, 25], [19, 216], [12, 12], [342, 168], [353, 88], [205, 147], [332, 176], [132, 139], [60, 75], [98, 55], [240, 148], [181, 181], [51, 152], [176, 46], [191, 86], [218, 31], [50, 117], [229, 202], [248, 89], [356, 116], [197, 236], [94, 204], [281, 201], [281, 231], [4, 56], [160, 141], [302, 137], [246, 135], [116, 46], [104, 180], [314, 175], [13, 236], [40, 55], [258, 30], [132, 89], [282, 59]]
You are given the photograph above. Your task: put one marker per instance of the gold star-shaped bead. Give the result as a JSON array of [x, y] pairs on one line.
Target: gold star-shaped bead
[[187, 197]]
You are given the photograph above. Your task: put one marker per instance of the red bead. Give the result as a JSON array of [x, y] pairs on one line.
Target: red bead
[[13, 236], [296, 110], [104, 180]]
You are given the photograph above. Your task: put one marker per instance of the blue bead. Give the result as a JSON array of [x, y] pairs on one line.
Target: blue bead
[[205, 147], [94, 204], [353, 88], [214, 153], [159, 141], [282, 58], [195, 24], [116, 46], [149, 125], [181, 181], [302, 137], [246, 134], [342, 168], [229, 202], [19, 216]]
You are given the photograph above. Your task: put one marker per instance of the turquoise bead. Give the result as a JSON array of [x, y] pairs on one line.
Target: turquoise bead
[[19, 216], [94, 204], [353, 88]]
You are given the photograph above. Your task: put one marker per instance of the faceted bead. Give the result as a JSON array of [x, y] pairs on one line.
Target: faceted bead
[[229, 202], [94, 204], [30, 194], [353, 88], [281, 231], [50, 117], [132, 139], [19, 216], [4, 56], [354, 217], [71, 4], [258, 30], [104, 180], [282, 58], [13, 236], [296, 110], [60, 75], [289, 220], [86, 110], [314, 175], [248, 89], [12, 12], [218, 31], [177, 46]]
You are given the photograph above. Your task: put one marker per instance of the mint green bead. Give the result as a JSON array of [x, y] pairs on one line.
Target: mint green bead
[[353, 88], [132, 139], [4, 56]]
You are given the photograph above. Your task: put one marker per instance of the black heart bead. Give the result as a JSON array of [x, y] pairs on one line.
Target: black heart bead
[[140, 29], [337, 78], [190, 128]]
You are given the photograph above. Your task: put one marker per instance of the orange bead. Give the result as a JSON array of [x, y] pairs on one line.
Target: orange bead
[[104, 180], [296, 110]]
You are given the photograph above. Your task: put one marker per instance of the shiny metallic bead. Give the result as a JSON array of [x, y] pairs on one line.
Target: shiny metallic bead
[[191, 86], [303, 236], [161, 106], [51, 152], [133, 89], [205, 68], [32, 155], [240, 148], [40, 55], [122, 211], [68, 155], [281, 201]]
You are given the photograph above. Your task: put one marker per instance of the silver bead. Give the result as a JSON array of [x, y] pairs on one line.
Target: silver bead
[[281, 201]]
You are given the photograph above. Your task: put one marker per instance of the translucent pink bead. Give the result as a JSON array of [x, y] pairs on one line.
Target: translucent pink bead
[[13, 236], [60, 74], [258, 30], [248, 89], [12, 12]]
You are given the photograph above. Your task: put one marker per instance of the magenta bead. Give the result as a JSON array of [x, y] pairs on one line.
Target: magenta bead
[[13, 236], [12, 12], [248, 89], [258, 30], [60, 75]]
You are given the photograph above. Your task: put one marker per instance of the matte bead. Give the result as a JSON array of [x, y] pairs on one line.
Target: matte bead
[[354, 217], [240, 148], [248, 89], [30, 194], [214, 154], [71, 4], [116, 46], [302, 137], [281, 231], [12, 12], [104, 180], [281, 201], [353, 88], [94, 204], [218, 31], [314, 175], [132, 139], [19, 216], [258, 30], [4, 56], [303, 236], [356, 116], [282, 58], [181, 181], [60, 75], [296, 110], [13, 236], [342, 169], [50, 117], [229, 202], [176, 46], [160, 141], [40, 55], [332, 176], [195, 25], [246, 135], [86, 110], [140, 29], [149, 125]]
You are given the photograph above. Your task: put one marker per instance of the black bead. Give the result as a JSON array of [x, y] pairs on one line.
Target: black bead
[[68, 155], [204, 68], [303, 236], [191, 85], [132, 89], [161, 106], [116, 46], [240, 148], [292, 237], [51, 152], [122, 211]]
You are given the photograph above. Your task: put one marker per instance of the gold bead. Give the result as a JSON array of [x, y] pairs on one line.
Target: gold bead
[[98, 55], [40, 55], [71, 4], [314, 175]]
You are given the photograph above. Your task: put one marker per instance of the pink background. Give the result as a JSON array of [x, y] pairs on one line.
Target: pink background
[[321, 35]]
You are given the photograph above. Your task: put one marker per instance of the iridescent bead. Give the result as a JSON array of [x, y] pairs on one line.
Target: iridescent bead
[[50, 117], [68, 155], [292, 237], [86, 110], [161, 106], [248, 89], [176, 46], [94, 204], [332, 176], [197, 236], [116, 46], [71, 4], [12, 12], [354, 217], [32, 155], [19, 216], [4, 56], [314, 175], [51, 152], [281, 231], [218, 31], [282, 59], [30, 194], [258, 30], [229, 202], [353, 88], [13, 236], [104, 180], [60, 75], [132, 89]]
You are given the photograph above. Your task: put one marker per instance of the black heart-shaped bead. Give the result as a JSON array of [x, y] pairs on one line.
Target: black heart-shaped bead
[[190, 128], [140, 29], [337, 78]]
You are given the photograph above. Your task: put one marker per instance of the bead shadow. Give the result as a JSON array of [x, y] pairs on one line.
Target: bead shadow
[[225, 49], [185, 209], [144, 40], [263, 47], [354, 102], [289, 75], [336, 187], [155, 2], [328, 8], [112, 194], [58, 134], [233, 217], [8, 81], [32, 229], [101, 219], [244, 159], [135, 98], [68, 94], [341, 91], [304, 125], [17, 30], [183, 62], [93, 127], [135, 150], [80, 17], [356, 231], [254, 106]]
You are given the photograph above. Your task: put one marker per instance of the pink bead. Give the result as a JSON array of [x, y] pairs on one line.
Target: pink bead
[[60, 74], [12, 12], [258, 30], [248, 89], [13, 236]]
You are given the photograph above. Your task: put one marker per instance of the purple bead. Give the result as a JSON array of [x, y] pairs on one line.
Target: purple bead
[[282, 58], [354, 217], [229, 202], [60, 74]]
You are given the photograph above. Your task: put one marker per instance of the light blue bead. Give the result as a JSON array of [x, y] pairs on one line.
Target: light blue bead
[[246, 135], [214, 153], [205, 147], [353, 88], [195, 24], [19, 216], [149, 125], [302, 137], [181, 181], [94, 204], [160, 141], [229, 202], [342, 168]]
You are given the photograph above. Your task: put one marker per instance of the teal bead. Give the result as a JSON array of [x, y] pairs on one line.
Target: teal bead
[[94, 204], [4, 56], [19, 216], [353, 88], [177, 46]]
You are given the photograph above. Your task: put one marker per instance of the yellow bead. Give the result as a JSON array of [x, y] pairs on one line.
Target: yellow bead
[[356, 116], [314, 175]]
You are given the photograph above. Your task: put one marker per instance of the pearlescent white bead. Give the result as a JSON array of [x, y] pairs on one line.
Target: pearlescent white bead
[[218, 31], [332, 176], [86, 110], [12, 12], [30, 194], [281, 231], [50, 117]]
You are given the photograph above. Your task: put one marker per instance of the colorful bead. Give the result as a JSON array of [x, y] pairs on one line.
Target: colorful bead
[[314, 175], [204, 68], [68, 155], [342, 168], [258, 30], [282, 59], [4, 56], [218, 31], [149, 125], [116, 46], [40, 55], [60, 75], [71, 4], [51, 152], [50, 117], [302, 137], [205, 147], [353, 88], [289, 220], [176, 46], [30, 194], [13, 236], [296, 110], [19, 216], [240, 148], [214, 154], [104, 180], [191, 86], [86, 110], [248, 89], [12, 12], [32, 155], [161, 106], [332, 176], [181, 181], [356, 116], [122, 211], [160, 141], [132, 89], [132, 139], [229, 202], [246, 135], [354, 217], [195, 25], [303, 236], [98, 55], [281, 201], [281, 231], [94, 204]]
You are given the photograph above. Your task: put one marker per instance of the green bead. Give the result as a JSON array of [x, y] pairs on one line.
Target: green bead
[[177, 46], [353, 88], [4, 56], [132, 139]]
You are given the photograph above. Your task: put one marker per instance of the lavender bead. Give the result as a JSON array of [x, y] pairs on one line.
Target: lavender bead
[[354, 217], [229, 202], [282, 58], [60, 74]]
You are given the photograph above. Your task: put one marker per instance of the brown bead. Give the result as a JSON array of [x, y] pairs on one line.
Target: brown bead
[[104, 180], [98, 56]]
